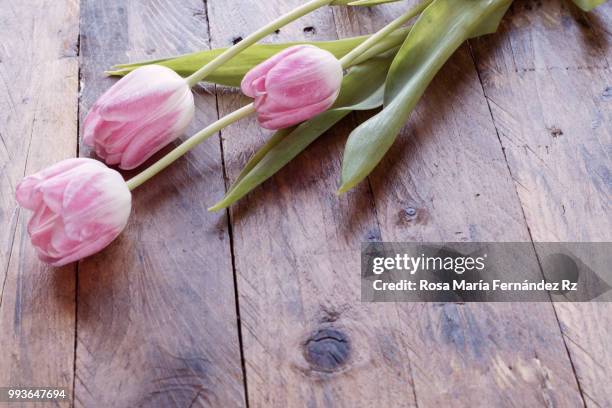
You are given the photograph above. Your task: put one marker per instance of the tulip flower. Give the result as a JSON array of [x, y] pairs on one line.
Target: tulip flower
[[80, 206], [152, 105], [289, 88], [293, 86], [138, 116]]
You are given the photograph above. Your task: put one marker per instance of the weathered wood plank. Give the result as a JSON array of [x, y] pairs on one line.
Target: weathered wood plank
[[38, 111], [549, 95], [307, 251], [156, 312], [307, 341], [446, 180]]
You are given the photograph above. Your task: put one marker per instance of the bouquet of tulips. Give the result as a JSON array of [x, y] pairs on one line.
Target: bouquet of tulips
[[299, 90]]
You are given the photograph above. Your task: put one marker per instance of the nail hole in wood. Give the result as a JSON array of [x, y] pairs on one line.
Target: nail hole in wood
[[410, 212], [555, 132]]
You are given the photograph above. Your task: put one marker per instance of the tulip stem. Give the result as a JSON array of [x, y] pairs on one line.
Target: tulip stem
[[189, 144], [388, 43], [350, 58], [231, 52]]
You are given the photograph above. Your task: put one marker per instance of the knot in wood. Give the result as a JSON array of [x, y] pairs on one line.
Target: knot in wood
[[327, 350]]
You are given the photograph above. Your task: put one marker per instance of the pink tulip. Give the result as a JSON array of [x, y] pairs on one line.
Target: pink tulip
[[293, 86], [139, 115], [80, 206]]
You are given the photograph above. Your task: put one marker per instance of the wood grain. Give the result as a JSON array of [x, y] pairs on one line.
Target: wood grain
[[38, 111], [307, 341], [336, 350], [546, 77], [156, 310], [446, 180], [510, 143]]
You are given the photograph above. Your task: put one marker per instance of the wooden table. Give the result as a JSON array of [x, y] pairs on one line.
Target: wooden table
[[260, 305]]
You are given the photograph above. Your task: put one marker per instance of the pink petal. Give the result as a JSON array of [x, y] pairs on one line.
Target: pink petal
[[101, 199], [285, 119], [141, 114], [40, 228], [158, 134], [80, 207], [87, 249], [28, 192], [262, 69], [60, 243], [140, 92], [53, 189], [303, 78], [89, 126]]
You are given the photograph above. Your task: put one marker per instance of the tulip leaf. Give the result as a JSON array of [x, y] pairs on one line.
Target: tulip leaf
[[232, 72], [369, 3], [490, 24], [436, 35], [362, 89], [588, 5], [360, 2]]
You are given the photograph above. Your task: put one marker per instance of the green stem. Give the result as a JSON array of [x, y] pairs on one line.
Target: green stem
[[372, 46], [189, 144], [392, 41], [228, 54], [352, 56]]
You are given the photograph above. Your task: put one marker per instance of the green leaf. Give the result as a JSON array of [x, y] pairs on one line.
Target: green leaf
[[362, 89], [233, 71], [370, 3], [440, 30], [588, 5], [490, 24], [360, 2]]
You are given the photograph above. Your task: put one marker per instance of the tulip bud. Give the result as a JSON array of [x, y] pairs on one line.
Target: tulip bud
[[293, 86], [80, 206], [139, 115]]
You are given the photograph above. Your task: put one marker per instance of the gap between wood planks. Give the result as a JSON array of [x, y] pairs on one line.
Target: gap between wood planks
[[230, 232], [78, 264]]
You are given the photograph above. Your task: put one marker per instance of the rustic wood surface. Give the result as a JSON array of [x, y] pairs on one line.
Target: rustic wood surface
[[38, 108], [256, 306], [156, 315], [550, 104]]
